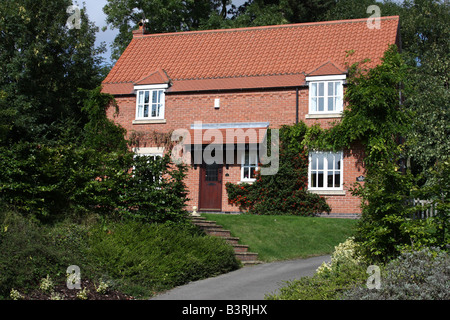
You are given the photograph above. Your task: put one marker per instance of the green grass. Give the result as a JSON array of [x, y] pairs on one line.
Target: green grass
[[286, 237]]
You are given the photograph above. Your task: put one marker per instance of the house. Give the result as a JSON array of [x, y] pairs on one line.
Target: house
[[210, 83]]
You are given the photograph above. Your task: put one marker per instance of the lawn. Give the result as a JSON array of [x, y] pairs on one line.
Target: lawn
[[286, 237]]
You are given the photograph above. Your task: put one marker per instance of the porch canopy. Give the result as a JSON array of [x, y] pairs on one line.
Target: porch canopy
[[228, 134]]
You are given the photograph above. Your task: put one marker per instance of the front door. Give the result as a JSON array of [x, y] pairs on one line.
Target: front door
[[210, 195]]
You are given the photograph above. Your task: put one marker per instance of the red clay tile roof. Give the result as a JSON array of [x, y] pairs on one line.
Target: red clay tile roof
[[157, 77], [257, 57], [328, 68]]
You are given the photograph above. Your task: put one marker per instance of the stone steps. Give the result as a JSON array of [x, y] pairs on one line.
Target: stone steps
[[240, 250]]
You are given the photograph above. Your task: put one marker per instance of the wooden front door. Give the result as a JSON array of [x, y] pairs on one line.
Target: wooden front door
[[210, 195]]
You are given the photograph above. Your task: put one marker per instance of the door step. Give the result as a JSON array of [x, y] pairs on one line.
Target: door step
[[240, 250]]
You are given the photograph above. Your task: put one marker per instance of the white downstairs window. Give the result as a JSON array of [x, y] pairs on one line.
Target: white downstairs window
[[325, 170], [249, 165]]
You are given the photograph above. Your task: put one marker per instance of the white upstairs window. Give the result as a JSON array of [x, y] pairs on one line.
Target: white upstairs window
[[150, 104], [326, 97]]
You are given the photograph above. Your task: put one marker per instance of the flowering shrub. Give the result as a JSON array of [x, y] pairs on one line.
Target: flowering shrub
[[46, 284], [284, 193], [345, 254], [15, 295], [331, 280]]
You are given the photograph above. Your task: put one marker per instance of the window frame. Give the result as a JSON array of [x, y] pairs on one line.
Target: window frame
[[337, 96], [150, 104], [326, 170], [250, 165]]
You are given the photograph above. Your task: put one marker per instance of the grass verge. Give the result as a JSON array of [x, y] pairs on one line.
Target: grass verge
[[286, 237]]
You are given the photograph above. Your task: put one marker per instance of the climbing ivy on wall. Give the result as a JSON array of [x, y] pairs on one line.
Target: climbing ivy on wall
[[284, 193]]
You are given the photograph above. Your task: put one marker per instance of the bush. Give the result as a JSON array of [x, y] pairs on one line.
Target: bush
[[155, 191], [26, 254], [416, 275], [346, 270], [284, 193], [146, 258]]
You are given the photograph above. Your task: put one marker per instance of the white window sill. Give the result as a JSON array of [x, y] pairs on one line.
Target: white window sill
[[149, 121], [246, 181], [328, 192], [323, 115]]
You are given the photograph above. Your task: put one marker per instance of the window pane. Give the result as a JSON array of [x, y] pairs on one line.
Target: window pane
[[321, 104], [321, 89], [331, 104], [141, 97], [160, 96], [153, 110], [253, 158], [338, 88], [330, 179], [146, 100], [246, 173], [154, 96], [337, 180], [337, 159], [314, 161], [313, 89], [145, 115], [320, 157], [140, 111], [252, 172], [330, 161], [330, 88], [313, 180], [320, 179], [313, 104]]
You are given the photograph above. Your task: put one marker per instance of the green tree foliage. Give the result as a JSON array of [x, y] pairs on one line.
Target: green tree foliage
[[155, 191], [42, 65], [284, 193]]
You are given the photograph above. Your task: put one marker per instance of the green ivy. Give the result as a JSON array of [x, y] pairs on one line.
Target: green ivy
[[284, 193]]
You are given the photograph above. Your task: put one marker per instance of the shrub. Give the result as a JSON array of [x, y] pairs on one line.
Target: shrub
[[26, 254], [145, 258], [155, 191], [346, 270], [414, 275], [284, 193]]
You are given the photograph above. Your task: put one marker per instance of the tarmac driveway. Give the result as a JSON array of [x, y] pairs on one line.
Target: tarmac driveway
[[249, 283]]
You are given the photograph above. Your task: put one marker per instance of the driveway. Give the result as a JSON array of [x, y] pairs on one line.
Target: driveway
[[249, 283]]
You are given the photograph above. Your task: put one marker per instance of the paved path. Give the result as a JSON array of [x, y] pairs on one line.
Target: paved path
[[249, 283]]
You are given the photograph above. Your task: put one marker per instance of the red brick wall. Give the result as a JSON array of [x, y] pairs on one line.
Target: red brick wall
[[274, 106]]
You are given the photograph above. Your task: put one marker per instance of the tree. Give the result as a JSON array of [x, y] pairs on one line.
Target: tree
[[42, 65]]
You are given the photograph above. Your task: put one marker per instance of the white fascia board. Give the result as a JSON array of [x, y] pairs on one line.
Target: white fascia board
[[326, 78], [151, 86]]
